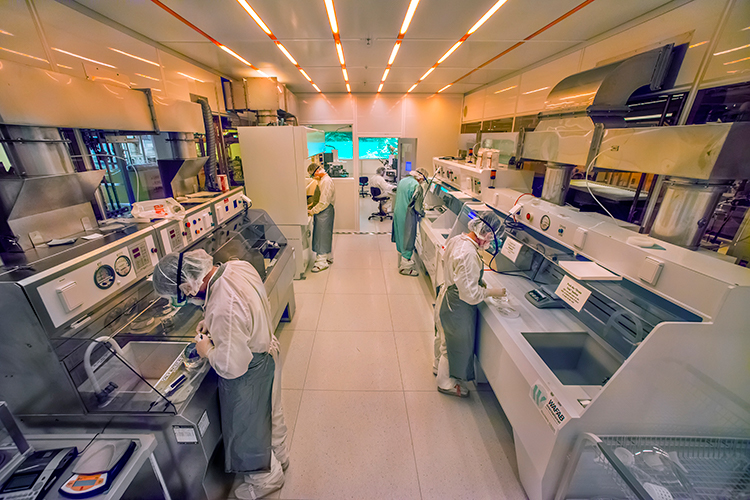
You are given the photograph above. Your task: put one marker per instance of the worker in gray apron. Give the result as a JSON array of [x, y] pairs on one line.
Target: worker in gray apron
[[236, 337], [323, 214], [456, 311]]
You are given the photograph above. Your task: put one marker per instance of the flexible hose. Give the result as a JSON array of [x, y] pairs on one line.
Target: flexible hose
[[212, 183]]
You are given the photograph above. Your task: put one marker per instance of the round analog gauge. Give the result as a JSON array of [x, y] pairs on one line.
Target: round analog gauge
[[123, 266], [544, 222], [104, 277]]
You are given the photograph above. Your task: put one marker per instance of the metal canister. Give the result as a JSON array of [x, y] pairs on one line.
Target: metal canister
[[686, 210], [557, 182]]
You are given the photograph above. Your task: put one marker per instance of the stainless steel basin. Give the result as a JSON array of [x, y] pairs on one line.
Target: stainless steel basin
[[575, 358]]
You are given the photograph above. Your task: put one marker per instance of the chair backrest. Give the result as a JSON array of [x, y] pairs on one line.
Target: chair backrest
[[363, 180], [374, 191]]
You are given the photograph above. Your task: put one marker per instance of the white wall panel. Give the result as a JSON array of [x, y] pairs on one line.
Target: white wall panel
[[319, 108], [436, 123], [501, 99], [473, 107], [380, 115], [544, 77]]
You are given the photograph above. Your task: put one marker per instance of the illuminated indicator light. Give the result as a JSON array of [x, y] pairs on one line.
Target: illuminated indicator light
[[340, 51], [380, 87], [427, 73], [84, 58], [409, 15], [3, 32], [348, 88], [385, 74], [534, 91], [316, 87], [305, 75], [346, 75], [450, 51], [234, 54], [486, 16], [332, 16], [145, 76], [286, 53], [506, 89], [255, 16], [394, 52], [24, 55], [134, 56], [450, 84], [698, 44], [731, 50], [191, 77], [412, 88], [736, 61]]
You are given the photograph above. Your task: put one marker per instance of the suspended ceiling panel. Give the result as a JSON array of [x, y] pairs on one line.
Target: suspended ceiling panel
[[368, 30]]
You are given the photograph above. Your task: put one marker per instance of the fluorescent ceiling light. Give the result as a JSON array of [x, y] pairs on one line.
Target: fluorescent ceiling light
[[134, 57], [380, 88], [450, 51], [698, 44], [305, 75], [736, 61], [731, 50], [348, 88], [385, 74], [486, 16], [3, 32], [316, 87], [146, 77], [394, 52], [346, 75], [534, 91], [24, 55], [191, 77], [235, 55], [409, 15], [340, 51], [745, 29], [255, 16], [332, 16], [505, 89], [412, 87], [427, 73], [444, 88], [261, 73], [286, 53], [84, 58]]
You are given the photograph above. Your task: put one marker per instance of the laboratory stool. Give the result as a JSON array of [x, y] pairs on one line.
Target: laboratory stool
[[381, 199], [362, 184]]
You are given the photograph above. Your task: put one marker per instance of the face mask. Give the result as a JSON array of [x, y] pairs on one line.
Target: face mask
[[485, 244], [492, 247]]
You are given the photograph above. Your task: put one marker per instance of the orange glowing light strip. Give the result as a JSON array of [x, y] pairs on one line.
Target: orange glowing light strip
[[404, 26], [146, 77], [531, 36], [330, 9], [697, 44], [206, 35], [736, 61], [456, 45], [444, 88], [273, 38], [24, 55], [3, 32]]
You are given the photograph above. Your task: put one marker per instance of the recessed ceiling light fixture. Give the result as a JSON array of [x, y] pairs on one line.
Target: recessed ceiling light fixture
[[736, 61], [3, 32], [456, 45], [444, 88], [731, 50], [404, 26], [698, 44], [330, 9], [245, 5], [84, 58], [152, 63]]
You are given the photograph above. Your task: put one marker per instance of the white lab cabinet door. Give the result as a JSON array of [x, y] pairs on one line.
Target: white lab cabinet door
[[274, 162]]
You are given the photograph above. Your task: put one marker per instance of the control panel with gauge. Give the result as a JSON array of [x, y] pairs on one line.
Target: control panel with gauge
[[67, 296]]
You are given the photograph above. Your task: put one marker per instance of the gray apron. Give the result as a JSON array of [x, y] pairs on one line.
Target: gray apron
[[246, 416], [323, 231], [459, 321]]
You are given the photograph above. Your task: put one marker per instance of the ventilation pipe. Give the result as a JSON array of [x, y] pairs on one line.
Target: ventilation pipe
[[210, 168]]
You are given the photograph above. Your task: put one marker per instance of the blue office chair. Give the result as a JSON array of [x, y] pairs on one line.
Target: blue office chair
[[362, 184], [381, 199]]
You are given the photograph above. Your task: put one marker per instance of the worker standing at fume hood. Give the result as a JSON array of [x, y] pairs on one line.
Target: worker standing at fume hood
[[456, 306], [235, 336], [323, 214], [406, 214]]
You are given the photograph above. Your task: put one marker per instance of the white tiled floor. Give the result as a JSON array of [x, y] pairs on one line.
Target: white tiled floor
[[364, 416]]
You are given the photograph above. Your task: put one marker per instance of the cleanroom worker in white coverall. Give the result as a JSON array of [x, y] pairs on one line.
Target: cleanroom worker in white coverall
[[406, 214], [386, 188], [323, 214], [456, 311], [236, 337]]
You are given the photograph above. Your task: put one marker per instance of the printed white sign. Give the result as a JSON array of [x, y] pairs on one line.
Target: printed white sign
[[185, 434], [573, 293], [511, 249], [203, 423], [549, 406]]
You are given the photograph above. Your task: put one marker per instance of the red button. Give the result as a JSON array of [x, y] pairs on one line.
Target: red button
[[187, 224], [528, 216]]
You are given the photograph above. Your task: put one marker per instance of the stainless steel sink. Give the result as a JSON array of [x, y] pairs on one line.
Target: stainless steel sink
[[575, 358]]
